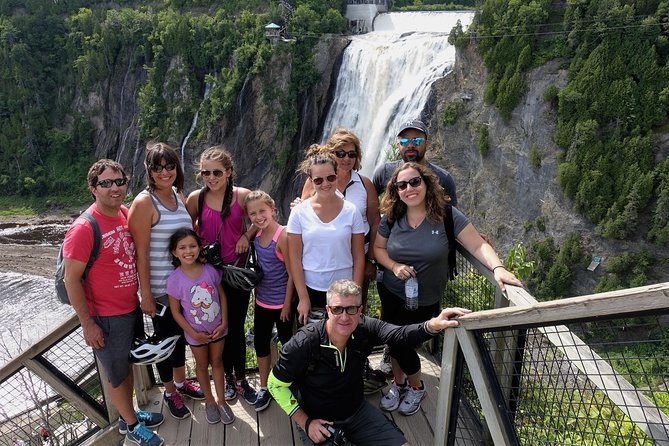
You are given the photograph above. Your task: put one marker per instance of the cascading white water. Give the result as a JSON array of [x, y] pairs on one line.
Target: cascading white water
[[386, 76]]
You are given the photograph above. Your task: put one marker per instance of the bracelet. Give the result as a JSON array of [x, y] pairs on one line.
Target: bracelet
[[498, 266], [246, 237], [372, 261], [306, 425], [428, 330]]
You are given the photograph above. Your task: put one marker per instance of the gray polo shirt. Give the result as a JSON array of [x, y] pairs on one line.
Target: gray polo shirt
[[383, 173], [426, 249]]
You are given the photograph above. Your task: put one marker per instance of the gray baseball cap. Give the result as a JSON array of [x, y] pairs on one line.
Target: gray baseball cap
[[413, 124]]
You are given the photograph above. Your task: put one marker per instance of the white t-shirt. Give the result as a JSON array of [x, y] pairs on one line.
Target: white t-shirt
[[326, 247]]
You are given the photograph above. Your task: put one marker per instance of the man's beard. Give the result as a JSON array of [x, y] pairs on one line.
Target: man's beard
[[417, 158]]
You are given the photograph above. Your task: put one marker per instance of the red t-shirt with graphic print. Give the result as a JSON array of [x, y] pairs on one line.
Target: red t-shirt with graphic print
[[111, 285]]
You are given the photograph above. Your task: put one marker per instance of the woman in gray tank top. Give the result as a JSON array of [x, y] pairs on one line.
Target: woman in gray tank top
[[155, 214]]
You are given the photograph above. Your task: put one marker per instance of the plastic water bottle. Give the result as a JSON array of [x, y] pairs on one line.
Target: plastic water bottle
[[411, 292]]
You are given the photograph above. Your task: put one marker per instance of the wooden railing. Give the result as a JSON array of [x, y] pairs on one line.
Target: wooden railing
[[517, 310]]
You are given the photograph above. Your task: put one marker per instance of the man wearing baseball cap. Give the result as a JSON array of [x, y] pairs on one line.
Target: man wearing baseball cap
[[412, 141]]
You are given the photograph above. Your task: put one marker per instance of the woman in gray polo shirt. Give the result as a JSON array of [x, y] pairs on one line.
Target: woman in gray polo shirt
[[412, 241]]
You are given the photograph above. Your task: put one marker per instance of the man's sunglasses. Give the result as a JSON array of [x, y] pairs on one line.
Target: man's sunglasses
[[106, 184], [404, 142], [351, 310], [216, 173], [157, 168], [413, 182], [319, 180], [343, 154]]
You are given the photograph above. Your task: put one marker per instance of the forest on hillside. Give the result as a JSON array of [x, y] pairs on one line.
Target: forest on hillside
[[611, 116]]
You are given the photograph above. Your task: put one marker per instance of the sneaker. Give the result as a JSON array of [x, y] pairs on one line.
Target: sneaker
[[411, 402], [385, 366], [213, 415], [227, 416], [391, 400], [143, 436], [230, 390], [263, 400], [191, 390], [373, 380], [150, 420], [245, 390], [176, 405]]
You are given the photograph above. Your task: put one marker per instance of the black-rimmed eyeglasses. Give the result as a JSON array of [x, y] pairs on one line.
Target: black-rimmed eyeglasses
[[413, 182], [350, 310], [106, 184], [157, 168], [343, 154]]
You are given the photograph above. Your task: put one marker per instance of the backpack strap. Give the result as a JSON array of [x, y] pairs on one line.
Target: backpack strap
[[97, 238], [449, 226], [97, 241]]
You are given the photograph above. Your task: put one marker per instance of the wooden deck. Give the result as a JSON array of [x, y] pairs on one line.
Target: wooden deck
[[272, 427]]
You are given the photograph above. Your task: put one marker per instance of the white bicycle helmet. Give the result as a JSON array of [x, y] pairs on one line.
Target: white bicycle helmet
[[152, 350]]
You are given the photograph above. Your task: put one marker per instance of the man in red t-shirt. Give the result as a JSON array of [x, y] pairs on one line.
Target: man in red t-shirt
[[106, 302]]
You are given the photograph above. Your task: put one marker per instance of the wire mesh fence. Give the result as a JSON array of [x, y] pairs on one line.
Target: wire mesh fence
[[598, 382], [32, 408]]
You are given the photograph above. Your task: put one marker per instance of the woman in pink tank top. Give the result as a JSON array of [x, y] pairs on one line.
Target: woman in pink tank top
[[223, 217]]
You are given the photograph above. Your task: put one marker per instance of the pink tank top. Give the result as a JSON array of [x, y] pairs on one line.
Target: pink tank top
[[231, 229]]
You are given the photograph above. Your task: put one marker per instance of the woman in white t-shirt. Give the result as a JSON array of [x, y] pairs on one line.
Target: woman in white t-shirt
[[344, 145], [325, 238]]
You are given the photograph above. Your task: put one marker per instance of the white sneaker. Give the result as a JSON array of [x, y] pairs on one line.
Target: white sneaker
[[411, 402], [391, 400]]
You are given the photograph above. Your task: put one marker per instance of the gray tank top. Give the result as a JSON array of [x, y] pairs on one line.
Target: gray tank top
[[160, 259]]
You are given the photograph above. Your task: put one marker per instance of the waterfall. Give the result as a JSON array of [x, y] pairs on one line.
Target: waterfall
[[193, 125], [386, 77]]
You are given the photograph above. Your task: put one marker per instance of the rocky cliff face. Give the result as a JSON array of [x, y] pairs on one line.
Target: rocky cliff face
[[502, 192], [265, 157]]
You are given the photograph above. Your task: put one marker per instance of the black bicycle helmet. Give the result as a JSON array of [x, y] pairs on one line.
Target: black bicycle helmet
[[241, 278], [152, 350]]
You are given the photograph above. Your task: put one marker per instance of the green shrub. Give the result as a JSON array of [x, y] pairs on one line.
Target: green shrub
[[551, 93], [452, 112], [482, 139], [534, 156]]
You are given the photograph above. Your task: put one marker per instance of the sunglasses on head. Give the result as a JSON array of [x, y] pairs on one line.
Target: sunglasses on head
[[106, 184], [157, 168], [350, 310], [217, 173], [319, 180], [343, 154], [404, 142], [413, 182]]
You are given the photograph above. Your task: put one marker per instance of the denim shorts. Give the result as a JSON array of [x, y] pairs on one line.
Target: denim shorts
[[119, 332]]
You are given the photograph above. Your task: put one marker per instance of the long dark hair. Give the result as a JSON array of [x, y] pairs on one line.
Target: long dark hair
[[435, 196], [179, 235]]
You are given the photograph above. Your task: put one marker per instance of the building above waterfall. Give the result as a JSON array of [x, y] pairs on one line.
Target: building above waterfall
[[361, 14]]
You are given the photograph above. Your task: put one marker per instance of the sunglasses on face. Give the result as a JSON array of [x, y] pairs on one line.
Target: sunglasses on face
[[413, 182], [106, 184], [157, 168], [319, 180], [217, 173], [404, 142], [351, 310], [343, 154]]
